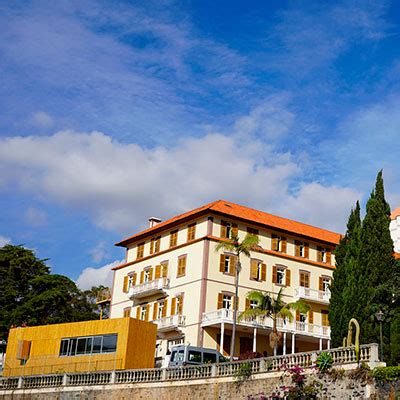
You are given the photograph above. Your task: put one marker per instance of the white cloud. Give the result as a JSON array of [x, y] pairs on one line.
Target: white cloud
[[97, 276], [35, 217], [99, 252], [42, 120], [4, 240]]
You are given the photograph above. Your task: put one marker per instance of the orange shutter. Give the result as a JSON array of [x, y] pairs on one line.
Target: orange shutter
[[319, 254], [155, 309], [325, 319], [173, 306], [247, 304], [150, 274], [164, 311], [297, 315], [321, 283], [328, 257], [306, 250], [274, 274], [141, 276], [283, 245], [157, 245], [297, 251], [222, 263], [223, 229], [138, 312], [180, 307], [274, 243], [23, 350], [253, 269], [134, 279], [232, 264], [263, 272], [126, 283], [147, 311], [220, 302], [310, 317], [165, 269], [287, 273], [151, 246], [158, 272], [235, 230]]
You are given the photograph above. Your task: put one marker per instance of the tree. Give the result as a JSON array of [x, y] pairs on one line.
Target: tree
[[234, 245], [274, 308]]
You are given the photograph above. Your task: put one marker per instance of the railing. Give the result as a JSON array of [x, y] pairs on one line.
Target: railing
[[321, 296], [147, 288], [171, 322], [341, 356], [225, 315]]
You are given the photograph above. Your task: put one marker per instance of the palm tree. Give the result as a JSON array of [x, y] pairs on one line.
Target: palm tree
[[235, 246], [274, 308]]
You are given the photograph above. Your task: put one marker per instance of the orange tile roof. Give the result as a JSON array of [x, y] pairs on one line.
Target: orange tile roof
[[233, 210], [395, 213], [397, 256]]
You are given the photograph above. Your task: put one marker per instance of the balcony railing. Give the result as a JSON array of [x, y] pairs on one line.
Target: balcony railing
[[320, 296], [226, 316], [173, 322], [156, 286]]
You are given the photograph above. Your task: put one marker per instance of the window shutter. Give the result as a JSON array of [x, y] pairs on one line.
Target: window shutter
[[138, 312], [283, 245], [150, 274], [328, 257], [247, 304], [321, 283], [274, 242], [173, 306], [126, 282], [164, 311], [180, 310], [297, 244], [223, 229], [141, 276], [151, 246], [147, 311], [306, 250], [235, 230], [325, 319], [287, 273], [164, 269], [220, 303], [134, 278], [274, 274], [232, 264], [310, 317], [127, 312], [263, 272], [253, 269], [158, 272], [155, 309], [297, 315], [222, 263], [319, 254]]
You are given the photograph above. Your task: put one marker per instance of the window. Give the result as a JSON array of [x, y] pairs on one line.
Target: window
[[253, 304], [147, 277], [191, 234], [140, 250], [131, 280], [155, 244], [228, 229], [173, 238], [258, 270], [227, 264], [209, 358], [281, 275], [252, 231], [143, 313], [227, 301], [323, 255], [88, 345], [279, 243], [324, 283], [302, 249], [160, 311], [177, 355], [194, 356], [181, 266], [304, 279], [127, 312], [177, 305]]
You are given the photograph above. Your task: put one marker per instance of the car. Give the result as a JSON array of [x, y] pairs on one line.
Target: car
[[182, 355]]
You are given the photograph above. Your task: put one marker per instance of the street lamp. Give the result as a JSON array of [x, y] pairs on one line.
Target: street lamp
[[379, 317]]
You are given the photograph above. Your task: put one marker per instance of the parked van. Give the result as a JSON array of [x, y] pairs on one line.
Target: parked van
[[182, 355]]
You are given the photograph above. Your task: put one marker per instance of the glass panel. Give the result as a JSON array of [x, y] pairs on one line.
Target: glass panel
[[64, 347], [72, 347], [88, 349], [209, 358], [194, 356], [97, 344], [80, 348], [109, 343]]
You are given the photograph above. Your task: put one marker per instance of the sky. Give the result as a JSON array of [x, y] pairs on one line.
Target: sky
[[113, 112]]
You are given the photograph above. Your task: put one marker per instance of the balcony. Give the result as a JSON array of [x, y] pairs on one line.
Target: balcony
[[156, 286], [171, 323], [318, 296], [215, 318]]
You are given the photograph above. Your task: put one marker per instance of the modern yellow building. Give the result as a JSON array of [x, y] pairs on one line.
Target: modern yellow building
[[121, 343], [174, 277]]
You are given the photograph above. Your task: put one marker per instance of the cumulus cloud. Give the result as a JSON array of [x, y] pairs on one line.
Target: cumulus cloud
[[42, 120], [99, 252], [97, 276], [4, 240]]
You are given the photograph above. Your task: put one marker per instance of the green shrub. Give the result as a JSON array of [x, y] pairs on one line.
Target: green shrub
[[324, 362], [337, 374], [244, 372], [386, 374], [361, 373]]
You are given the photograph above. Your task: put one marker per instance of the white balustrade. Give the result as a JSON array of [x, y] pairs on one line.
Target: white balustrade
[[149, 288], [321, 296], [173, 321]]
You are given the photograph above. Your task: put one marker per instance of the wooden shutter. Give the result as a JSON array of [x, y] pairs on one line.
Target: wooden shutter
[[328, 257], [155, 309], [141, 276], [263, 272], [319, 254], [297, 251], [274, 242], [306, 250], [158, 272], [138, 312], [164, 311], [287, 276], [223, 229], [247, 304], [232, 265], [310, 317], [173, 306], [127, 312], [164, 267], [297, 315], [157, 245], [180, 306], [152, 246], [321, 283], [325, 319], [274, 274], [222, 263], [220, 303], [235, 230], [147, 311], [253, 269], [283, 244], [126, 283], [151, 274], [134, 278]]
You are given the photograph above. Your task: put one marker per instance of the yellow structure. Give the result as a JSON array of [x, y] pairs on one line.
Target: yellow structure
[[121, 343]]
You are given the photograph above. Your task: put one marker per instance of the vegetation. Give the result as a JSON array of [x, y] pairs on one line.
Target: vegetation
[[30, 295], [366, 279], [324, 362], [234, 245], [386, 374], [274, 308], [244, 373]]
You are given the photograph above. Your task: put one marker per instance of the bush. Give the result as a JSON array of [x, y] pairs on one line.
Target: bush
[[362, 373], [386, 374], [244, 373], [324, 362], [337, 374]]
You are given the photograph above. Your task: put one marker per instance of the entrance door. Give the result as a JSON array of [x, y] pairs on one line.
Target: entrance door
[[246, 345]]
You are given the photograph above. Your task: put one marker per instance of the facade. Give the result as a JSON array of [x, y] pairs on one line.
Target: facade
[[174, 276], [122, 343], [395, 229]]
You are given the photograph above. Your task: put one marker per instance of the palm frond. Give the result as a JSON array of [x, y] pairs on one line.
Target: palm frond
[[229, 246], [250, 313], [285, 313], [300, 306]]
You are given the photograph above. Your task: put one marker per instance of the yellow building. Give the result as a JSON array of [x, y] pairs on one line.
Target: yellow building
[[121, 343], [174, 276]]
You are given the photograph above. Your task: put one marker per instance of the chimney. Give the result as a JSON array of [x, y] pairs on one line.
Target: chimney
[[153, 221]]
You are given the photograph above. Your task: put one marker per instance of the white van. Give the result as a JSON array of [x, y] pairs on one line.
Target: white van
[[182, 355]]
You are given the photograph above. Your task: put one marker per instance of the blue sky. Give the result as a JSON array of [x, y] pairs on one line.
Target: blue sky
[[112, 112]]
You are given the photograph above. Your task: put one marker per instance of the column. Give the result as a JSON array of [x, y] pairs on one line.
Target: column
[[320, 344], [221, 341], [293, 342], [329, 344], [255, 340], [284, 343]]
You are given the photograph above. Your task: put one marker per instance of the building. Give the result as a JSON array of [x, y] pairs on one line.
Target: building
[[395, 229], [122, 343], [174, 277]]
